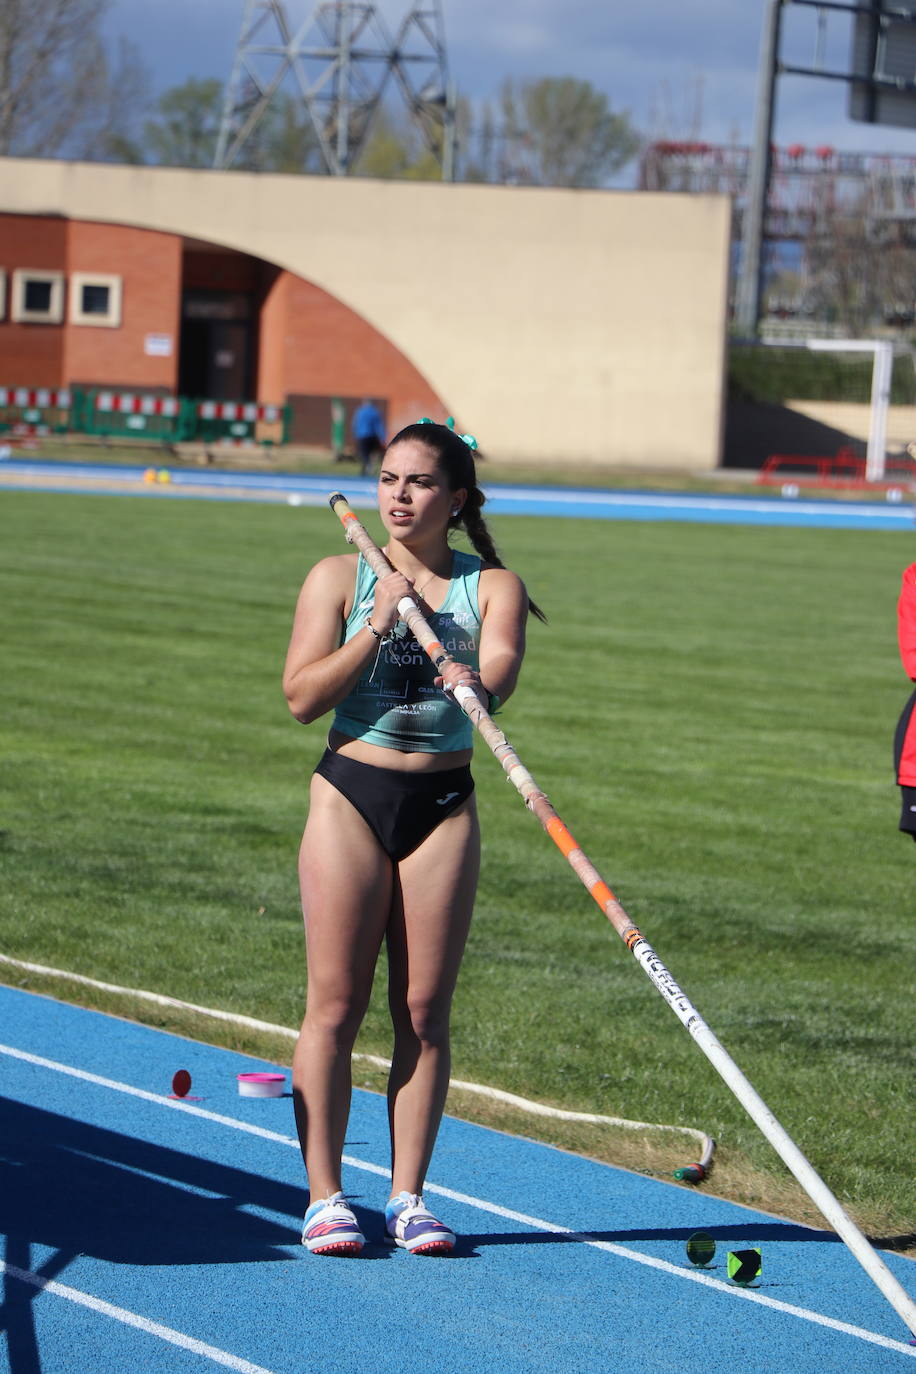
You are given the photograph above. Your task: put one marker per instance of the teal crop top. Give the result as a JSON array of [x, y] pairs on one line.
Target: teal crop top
[[394, 703]]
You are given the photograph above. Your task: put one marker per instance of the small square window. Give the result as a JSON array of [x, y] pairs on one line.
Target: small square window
[[38, 297], [95, 298]]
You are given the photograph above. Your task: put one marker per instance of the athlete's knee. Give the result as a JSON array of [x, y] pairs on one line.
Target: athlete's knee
[[427, 1019], [335, 1015]]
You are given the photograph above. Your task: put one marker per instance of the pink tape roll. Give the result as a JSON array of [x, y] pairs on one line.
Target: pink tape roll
[[261, 1084]]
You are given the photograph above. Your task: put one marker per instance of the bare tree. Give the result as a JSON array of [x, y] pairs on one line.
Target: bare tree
[[860, 274], [396, 150], [560, 131], [185, 126], [184, 129], [60, 94]]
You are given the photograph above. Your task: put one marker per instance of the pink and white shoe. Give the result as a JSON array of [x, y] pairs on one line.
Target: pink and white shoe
[[409, 1224], [330, 1228]]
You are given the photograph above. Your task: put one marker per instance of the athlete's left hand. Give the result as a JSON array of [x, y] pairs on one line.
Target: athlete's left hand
[[461, 675]]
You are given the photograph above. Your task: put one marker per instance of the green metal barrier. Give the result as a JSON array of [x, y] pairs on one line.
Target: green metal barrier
[[227, 422], [338, 427], [132, 415], [36, 410], [125, 414]]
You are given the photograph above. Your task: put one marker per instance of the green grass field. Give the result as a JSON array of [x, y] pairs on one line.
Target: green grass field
[[711, 711]]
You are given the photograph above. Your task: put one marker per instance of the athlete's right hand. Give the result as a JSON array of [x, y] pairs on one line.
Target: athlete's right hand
[[389, 590]]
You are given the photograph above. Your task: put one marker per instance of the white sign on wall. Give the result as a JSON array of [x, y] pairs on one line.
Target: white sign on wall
[[158, 345]]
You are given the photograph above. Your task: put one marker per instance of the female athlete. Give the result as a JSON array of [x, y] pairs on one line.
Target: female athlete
[[391, 848]]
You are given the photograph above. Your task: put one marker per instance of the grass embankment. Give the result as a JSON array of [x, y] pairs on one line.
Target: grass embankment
[[710, 710]]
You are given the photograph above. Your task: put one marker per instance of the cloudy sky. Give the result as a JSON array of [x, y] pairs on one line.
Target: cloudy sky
[[681, 70]]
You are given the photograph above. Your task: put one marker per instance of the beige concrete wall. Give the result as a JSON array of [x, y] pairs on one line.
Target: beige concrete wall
[[854, 419], [586, 325]]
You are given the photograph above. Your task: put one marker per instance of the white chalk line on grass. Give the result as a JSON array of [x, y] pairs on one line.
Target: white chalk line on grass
[[128, 1318], [235, 1019], [492, 1208]]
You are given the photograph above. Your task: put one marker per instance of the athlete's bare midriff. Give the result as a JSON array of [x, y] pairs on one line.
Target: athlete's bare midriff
[[412, 761]]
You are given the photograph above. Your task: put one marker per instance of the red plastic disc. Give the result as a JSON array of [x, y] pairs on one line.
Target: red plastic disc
[[181, 1083]]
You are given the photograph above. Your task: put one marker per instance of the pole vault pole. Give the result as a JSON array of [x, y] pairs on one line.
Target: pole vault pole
[[538, 802]]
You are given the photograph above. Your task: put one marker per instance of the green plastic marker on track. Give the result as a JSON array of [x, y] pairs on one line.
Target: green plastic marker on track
[[744, 1266], [701, 1248]]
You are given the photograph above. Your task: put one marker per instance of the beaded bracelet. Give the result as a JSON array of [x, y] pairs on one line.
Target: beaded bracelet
[[371, 628]]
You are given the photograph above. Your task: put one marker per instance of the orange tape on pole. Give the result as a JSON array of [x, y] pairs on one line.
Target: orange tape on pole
[[561, 836]]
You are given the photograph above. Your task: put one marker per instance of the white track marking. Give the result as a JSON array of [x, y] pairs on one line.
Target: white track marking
[[128, 1318], [493, 1209], [696, 1276], [236, 1019], [177, 1104]]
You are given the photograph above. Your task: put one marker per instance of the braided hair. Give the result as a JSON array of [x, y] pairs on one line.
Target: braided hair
[[456, 459]]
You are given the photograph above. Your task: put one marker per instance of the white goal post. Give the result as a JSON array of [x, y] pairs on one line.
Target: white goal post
[[882, 366], [882, 352]]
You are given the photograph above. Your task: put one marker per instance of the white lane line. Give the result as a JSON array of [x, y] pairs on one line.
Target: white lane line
[[237, 1019], [128, 1318], [494, 1209], [173, 1103], [556, 496], [695, 1276]]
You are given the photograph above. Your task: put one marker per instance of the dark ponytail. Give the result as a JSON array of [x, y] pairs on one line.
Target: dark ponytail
[[456, 458]]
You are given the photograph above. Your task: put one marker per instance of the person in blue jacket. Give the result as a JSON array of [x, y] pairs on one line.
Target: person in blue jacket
[[368, 434]]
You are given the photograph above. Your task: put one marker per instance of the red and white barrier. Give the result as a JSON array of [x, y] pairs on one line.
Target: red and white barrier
[[127, 403], [40, 398], [238, 410]]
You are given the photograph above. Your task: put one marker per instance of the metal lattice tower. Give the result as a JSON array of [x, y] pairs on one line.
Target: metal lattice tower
[[812, 193], [420, 68], [339, 61], [835, 207]]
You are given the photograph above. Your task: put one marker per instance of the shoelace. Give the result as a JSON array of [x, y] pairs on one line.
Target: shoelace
[[338, 1200]]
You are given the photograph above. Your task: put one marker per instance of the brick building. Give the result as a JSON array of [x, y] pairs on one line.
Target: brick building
[[556, 325], [89, 305]]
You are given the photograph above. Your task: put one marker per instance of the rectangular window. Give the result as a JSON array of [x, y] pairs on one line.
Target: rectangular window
[[37, 297], [95, 298]]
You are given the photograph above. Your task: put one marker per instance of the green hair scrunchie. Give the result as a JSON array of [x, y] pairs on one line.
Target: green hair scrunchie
[[450, 424]]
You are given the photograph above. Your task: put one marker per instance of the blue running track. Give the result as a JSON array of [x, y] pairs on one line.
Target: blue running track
[[159, 1236], [214, 485]]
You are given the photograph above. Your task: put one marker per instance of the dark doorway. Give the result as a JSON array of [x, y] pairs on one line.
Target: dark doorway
[[216, 361]]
